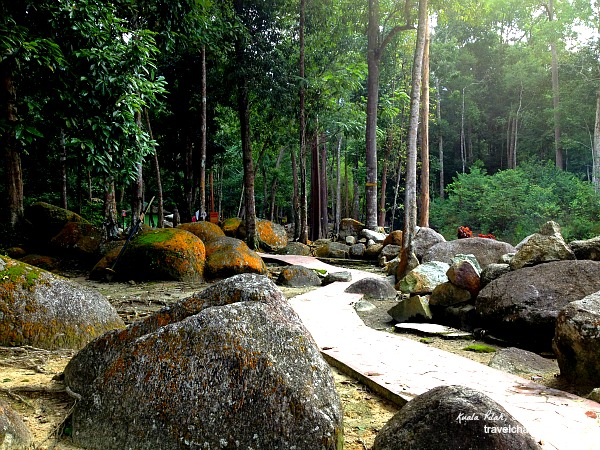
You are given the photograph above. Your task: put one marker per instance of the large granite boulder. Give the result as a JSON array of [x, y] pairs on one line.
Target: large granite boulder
[[231, 226], [586, 249], [425, 239], [493, 271], [14, 434], [271, 236], [577, 341], [227, 256], [295, 248], [373, 289], [487, 251], [298, 276], [424, 278], [328, 249], [522, 306], [230, 368], [453, 418], [40, 309], [157, 254], [465, 273], [44, 221], [350, 227], [206, 231], [78, 240], [521, 362], [448, 294], [547, 245]]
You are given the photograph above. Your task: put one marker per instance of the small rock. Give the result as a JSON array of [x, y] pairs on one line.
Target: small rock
[[373, 289], [350, 240], [357, 250], [594, 395], [374, 235], [433, 329], [519, 362], [448, 294], [363, 305], [332, 277], [414, 307], [298, 276], [424, 278]]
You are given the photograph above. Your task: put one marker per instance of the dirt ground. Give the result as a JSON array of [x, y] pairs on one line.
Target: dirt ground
[[28, 376]]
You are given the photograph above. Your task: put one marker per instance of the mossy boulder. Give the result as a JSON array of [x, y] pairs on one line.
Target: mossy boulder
[[45, 221], [231, 367], [78, 240], [227, 256], [230, 226], [206, 231], [40, 309], [159, 254]]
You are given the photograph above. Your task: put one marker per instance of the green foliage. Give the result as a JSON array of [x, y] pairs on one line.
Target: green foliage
[[479, 348], [513, 204]]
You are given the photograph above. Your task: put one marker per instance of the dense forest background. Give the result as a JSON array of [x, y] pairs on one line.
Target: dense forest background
[[265, 108]]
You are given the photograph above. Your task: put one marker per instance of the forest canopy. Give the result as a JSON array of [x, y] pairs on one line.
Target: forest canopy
[[301, 111]]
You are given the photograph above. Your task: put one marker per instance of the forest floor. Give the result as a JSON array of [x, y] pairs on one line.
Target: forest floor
[[27, 375]]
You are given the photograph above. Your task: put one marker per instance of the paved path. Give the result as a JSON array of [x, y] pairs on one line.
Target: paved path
[[400, 369]]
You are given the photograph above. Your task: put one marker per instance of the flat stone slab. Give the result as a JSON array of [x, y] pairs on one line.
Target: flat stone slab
[[399, 369], [432, 329]]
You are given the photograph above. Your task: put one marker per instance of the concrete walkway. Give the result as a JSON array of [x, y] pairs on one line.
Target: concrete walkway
[[399, 369]]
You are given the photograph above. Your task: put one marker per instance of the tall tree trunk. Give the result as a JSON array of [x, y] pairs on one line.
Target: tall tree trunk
[[137, 191], [188, 178], [596, 146], [382, 196], [338, 188], [160, 222], [202, 171], [13, 175], [111, 224], [440, 137], [408, 260], [463, 150], [323, 191], [63, 171], [558, 149], [250, 209], [295, 196], [355, 194], [303, 238], [315, 191], [424, 216], [274, 183]]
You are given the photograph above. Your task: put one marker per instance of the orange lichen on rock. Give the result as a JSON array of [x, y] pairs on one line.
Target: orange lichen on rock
[[230, 226], [206, 231], [228, 256]]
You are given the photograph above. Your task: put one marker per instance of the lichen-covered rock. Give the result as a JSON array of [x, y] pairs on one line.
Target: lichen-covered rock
[[424, 278], [227, 256], [394, 238], [547, 245], [295, 248], [78, 240], [230, 226], [373, 289], [160, 254], [271, 236], [298, 276], [522, 306], [332, 250], [453, 418], [40, 309], [245, 374], [45, 221], [206, 231], [14, 434], [487, 251], [577, 341]]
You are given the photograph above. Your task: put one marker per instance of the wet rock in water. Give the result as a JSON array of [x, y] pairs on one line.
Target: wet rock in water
[[521, 362], [298, 276], [522, 306], [246, 374], [343, 276], [577, 340], [14, 434], [206, 231], [453, 418], [227, 256], [40, 309], [373, 289]]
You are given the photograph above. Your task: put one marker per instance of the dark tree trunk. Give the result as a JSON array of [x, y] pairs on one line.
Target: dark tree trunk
[[159, 191], [274, 183], [315, 192], [382, 196], [323, 191], [303, 238], [111, 225], [295, 197], [63, 171], [202, 171], [338, 188], [424, 213]]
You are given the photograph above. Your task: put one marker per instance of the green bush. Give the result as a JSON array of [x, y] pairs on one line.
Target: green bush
[[513, 204]]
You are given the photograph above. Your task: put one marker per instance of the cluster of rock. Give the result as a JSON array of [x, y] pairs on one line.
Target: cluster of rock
[[540, 295]]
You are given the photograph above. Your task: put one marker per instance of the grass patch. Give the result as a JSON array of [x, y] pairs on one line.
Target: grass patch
[[426, 340], [479, 348]]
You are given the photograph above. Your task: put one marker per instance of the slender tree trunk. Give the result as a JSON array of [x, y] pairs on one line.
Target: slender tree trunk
[[384, 171], [295, 197], [408, 259], [274, 183], [13, 174], [202, 171], [356, 194], [424, 216], [315, 191], [63, 171], [596, 146], [138, 184], [324, 200], [263, 209], [303, 238], [250, 209], [463, 150], [338, 188], [558, 149], [440, 137], [111, 225], [159, 191]]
